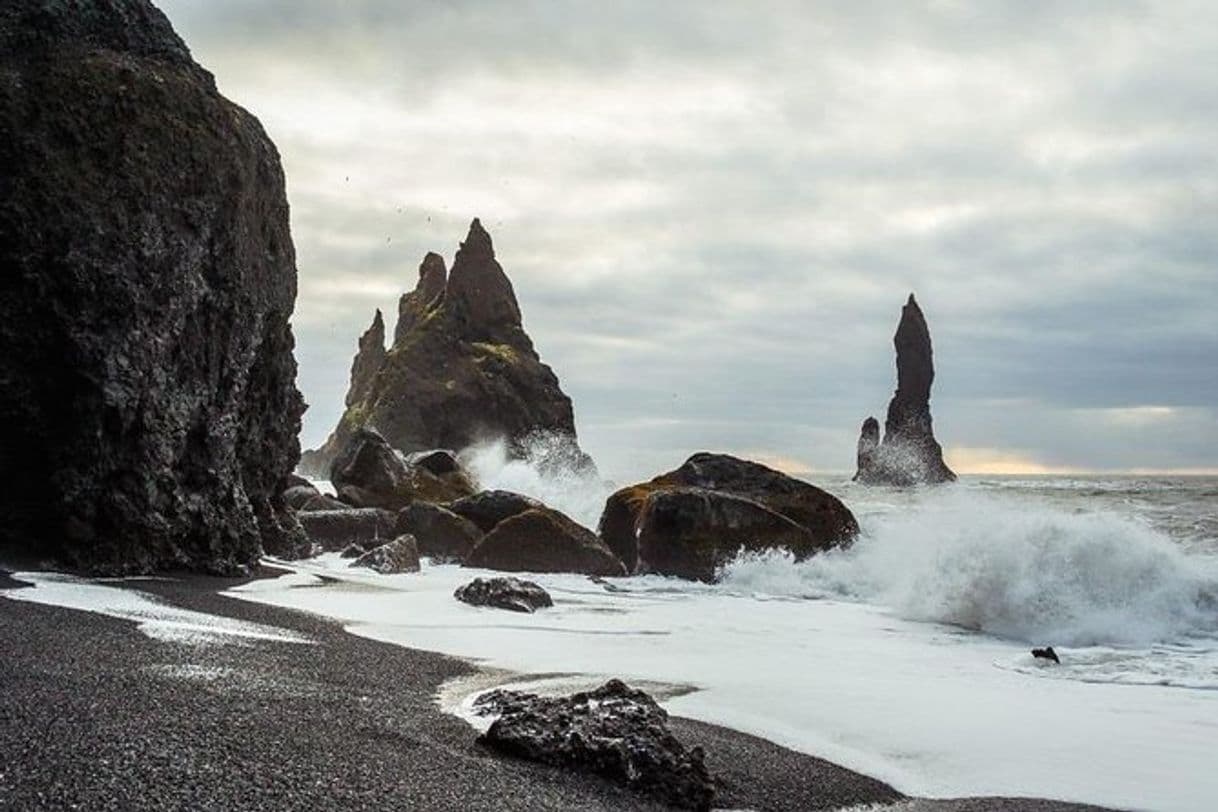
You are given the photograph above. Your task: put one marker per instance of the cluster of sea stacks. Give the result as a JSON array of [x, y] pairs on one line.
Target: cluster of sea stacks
[[148, 409]]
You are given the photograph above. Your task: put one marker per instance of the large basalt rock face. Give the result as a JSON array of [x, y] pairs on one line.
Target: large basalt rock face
[[461, 370], [690, 521], [908, 454], [615, 731], [148, 407]]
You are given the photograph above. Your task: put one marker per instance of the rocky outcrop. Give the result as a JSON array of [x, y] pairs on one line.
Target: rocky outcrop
[[543, 540], [615, 732], [414, 306], [368, 360], [513, 594], [399, 555], [908, 454], [334, 530], [461, 370], [148, 407], [368, 473], [690, 521], [442, 535], [488, 508]]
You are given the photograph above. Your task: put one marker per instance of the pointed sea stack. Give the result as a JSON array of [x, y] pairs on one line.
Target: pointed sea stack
[[368, 360], [909, 453], [461, 370], [148, 407]]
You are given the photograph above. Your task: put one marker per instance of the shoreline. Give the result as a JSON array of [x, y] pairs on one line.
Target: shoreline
[[98, 712]]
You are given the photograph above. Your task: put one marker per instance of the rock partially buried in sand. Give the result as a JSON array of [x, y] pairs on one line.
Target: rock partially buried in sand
[[399, 555], [543, 540], [513, 594], [334, 530], [148, 406], [908, 454], [690, 521], [442, 535], [614, 731], [370, 473]]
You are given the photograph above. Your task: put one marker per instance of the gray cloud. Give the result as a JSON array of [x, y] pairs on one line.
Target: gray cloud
[[713, 211]]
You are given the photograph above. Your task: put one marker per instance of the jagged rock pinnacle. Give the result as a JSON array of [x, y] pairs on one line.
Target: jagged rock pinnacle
[[368, 359], [433, 277], [909, 453], [479, 294]]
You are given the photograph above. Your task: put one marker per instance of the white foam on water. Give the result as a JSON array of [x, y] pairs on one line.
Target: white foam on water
[[154, 618], [933, 709]]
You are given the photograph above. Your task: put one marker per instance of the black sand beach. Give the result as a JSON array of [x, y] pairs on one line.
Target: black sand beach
[[96, 715]]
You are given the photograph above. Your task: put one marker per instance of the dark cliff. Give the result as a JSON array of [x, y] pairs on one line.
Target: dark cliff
[[148, 407]]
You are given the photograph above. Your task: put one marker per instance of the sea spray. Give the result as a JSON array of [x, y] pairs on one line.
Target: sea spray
[[997, 565], [578, 492]]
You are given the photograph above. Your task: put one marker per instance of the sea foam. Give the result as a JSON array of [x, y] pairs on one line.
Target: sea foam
[[1022, 571]]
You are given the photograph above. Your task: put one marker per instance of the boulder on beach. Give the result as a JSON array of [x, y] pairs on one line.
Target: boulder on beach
[[442, 535], [334, 530], [614, 731], [488, 508], [461, 370], [908, 454], [543, 540], [323, 502], [148, 408], [513, 594], [370, 473], [690, 521], [397, 556]]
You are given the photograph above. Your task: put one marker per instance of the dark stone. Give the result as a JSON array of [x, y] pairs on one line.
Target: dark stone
[[1046, 654], [513, 594], [368, 359], [543, 540], [148, 407], [438, 461], [692, 532], [399, 555], [323, 502], [712, 506], [333, 530], [462, 370], [369, 473], [615, 731], [442, 534], [488, 508], [908, 454], [298, 496], [353, 551]]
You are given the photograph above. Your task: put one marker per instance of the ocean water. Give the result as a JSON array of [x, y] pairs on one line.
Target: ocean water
[[905, 657]]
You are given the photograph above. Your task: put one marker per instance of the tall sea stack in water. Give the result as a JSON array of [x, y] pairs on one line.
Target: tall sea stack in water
[[148, 408], [461, 370], [909, 453]]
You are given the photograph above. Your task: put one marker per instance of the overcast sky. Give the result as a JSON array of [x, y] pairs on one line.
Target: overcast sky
[[712, 212]]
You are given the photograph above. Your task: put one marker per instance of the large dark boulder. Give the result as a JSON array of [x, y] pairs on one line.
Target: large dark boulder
[[397, 556], [462, 370], [369, 473], [697, 517], [148, 407], [909, 454], [616, 732], [513, 594], [488, 508], [442, 535], [543, 540], [334, 530]]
